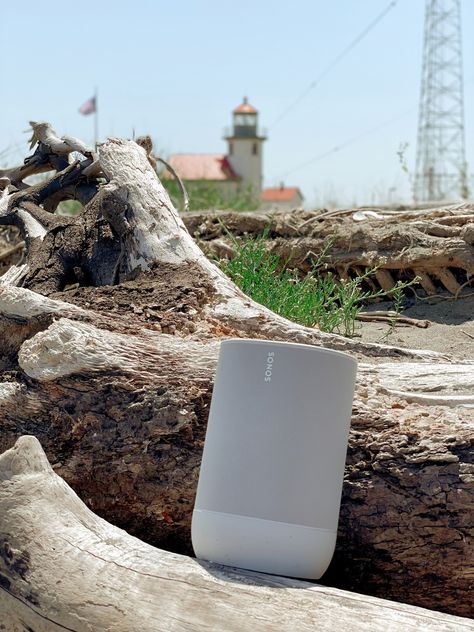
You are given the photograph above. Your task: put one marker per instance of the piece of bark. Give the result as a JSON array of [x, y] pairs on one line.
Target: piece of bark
[[64, 568], [115, 379]]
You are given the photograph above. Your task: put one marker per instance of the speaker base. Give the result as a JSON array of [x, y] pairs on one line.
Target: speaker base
[[267, 546]]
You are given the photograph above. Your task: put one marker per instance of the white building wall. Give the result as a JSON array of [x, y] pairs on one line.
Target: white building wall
[[247, 164]]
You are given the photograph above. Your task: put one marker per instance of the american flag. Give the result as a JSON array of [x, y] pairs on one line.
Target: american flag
[[88, 107]]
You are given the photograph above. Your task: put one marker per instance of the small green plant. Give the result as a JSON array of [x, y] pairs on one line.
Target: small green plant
[[315, 299], [205, 195], [465, 193], [397, 308], [401, 153], [69, 207]]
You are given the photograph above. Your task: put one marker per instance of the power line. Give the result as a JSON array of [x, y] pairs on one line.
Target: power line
[[348, 142], [335, 61]]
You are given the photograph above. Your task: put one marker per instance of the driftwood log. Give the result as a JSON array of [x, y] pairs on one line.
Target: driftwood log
[[109, 335], [436, 245], [63, 568]]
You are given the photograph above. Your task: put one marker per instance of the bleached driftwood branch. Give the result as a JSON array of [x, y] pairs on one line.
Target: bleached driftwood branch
[[64, 568]]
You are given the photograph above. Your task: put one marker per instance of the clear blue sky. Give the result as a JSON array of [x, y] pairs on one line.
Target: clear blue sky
[[177, 69]]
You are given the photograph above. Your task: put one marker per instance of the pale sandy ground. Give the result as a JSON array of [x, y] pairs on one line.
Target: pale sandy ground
[[452, 324]]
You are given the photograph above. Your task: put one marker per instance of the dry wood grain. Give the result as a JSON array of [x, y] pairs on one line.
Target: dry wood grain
[[64, 568]]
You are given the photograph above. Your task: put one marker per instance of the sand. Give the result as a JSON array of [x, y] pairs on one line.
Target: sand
[[451, 327]]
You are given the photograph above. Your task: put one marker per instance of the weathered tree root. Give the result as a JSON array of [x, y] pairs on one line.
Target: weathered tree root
[[436, 245]]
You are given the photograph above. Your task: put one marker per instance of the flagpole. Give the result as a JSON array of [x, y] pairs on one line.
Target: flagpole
[[96, 117]]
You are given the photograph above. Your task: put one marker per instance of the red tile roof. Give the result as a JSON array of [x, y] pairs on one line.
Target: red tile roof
[[280, 194], [202, 167], [245, 108]]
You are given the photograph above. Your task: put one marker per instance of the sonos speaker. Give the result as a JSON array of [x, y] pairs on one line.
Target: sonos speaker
[[270, 484]]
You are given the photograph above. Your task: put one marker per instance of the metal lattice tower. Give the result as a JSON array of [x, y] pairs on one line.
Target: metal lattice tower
[[441, 170]]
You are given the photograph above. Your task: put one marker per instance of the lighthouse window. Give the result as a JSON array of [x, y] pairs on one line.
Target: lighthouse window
[[231, 149], [254, 149]]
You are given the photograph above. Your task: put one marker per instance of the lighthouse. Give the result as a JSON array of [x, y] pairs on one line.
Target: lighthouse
[[245, 147], [238, 174]]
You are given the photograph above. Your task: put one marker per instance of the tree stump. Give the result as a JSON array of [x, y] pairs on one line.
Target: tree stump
[[110, 332]]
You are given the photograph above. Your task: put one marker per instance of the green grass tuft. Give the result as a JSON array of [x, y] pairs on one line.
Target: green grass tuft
[[316, 299]]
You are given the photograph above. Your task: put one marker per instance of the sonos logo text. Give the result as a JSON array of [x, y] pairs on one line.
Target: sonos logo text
[[268, 370]]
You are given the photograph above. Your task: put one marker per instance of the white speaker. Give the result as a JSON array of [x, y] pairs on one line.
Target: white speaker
[[271, 476]]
